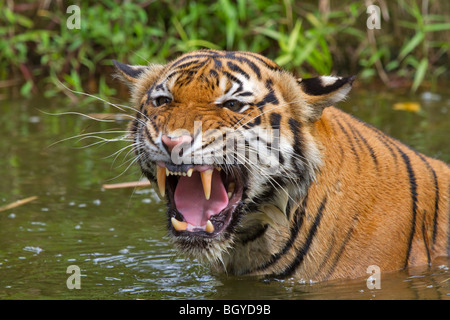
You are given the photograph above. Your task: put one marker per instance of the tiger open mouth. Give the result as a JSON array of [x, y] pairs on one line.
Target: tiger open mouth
[[202, 198]]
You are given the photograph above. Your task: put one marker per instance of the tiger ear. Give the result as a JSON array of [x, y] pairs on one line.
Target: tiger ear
[[324, 91], [128, 73]]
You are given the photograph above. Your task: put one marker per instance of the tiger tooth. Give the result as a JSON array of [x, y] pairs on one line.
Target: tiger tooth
[[178, 225], [161, 179], [209, 227], [230, 190], [206, 181], [189, 172], [167, 172]]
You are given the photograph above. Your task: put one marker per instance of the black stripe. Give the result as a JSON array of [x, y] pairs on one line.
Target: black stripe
[[245, 94], [299, 144], [236, 68], [135, 124], [436, 205], [425, 238], [213, 73], [269, 98], [349, 139], [272, 66], [217, 63], [256, 122], [233, 79], [386, 140], [436, 194], [149, 136], [383, 137], [287, 210], [258, 232], [254, 67], [341, 248], [294, 229], [275, 119], [303, 251], [413, 191], [205, 54], [196, 64], [372, 153]]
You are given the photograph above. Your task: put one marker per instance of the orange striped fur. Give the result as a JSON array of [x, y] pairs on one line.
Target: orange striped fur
[[343, 195]]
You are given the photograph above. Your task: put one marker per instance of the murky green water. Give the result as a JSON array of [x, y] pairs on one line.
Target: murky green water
[[117, 237]]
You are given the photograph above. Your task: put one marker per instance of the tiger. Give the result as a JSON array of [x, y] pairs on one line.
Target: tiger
[[312, 192]]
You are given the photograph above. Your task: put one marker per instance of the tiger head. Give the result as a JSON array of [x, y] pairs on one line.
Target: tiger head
[[227, 138]]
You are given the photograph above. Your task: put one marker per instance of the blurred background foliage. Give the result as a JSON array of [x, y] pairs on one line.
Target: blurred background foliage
[[38, 52]]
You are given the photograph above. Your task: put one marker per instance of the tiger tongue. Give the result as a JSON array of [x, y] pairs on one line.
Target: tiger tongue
[[191, 202]]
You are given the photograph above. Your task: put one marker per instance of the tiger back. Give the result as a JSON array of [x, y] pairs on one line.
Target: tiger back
[[311, 192]]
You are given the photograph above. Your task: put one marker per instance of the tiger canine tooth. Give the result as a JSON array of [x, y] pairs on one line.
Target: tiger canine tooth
[[189, 172], [161, 179], [178, 225], [230, 190], [206, 181], [167, 172], [209, 227]]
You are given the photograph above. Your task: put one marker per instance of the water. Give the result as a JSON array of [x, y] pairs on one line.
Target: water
[[117, 237]]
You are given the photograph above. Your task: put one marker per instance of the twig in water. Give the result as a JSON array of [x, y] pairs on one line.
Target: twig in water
[[133, 184], [18, 203]]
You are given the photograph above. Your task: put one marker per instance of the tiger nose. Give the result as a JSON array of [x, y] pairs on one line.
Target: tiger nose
[[170, 143]]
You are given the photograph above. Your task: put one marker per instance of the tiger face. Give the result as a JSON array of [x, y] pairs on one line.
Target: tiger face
[[227, 139]]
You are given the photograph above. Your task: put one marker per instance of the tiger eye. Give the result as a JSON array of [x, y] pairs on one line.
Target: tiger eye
[[160, 101], [233, 105]]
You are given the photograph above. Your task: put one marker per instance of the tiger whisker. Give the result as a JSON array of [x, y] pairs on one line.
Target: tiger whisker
[[249, 166], [132, 162]]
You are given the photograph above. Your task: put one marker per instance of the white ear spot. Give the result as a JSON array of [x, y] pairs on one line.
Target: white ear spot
[[328, 80]]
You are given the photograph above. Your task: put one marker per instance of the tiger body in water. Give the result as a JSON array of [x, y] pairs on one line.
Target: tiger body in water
[[338, 196]]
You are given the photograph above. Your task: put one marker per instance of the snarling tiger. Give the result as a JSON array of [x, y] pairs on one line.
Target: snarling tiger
[[263, 176]]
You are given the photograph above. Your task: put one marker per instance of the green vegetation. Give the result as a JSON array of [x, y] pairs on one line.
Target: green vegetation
[[38, 51]]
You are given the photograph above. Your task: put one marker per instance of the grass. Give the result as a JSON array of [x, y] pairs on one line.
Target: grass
[[37, 50]]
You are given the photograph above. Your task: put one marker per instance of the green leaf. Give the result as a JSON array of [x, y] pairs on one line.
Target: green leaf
[[436, 27], [25, 90], [305, 52], [414, 42], [420, 74], [283, 59], [293, 37]]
